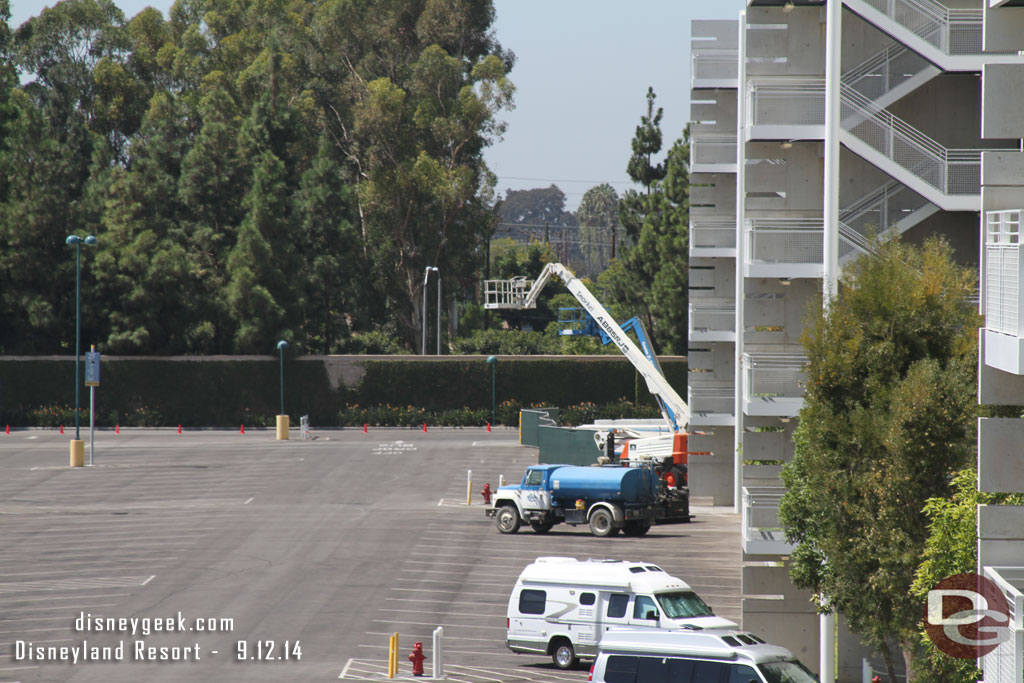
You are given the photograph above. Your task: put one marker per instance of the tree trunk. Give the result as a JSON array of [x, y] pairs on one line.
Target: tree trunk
[[908, 660], [890, 666]]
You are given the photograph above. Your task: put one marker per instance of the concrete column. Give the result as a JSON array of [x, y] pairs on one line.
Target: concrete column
[[282, 427], [833, 47], [827, 624], [77, 453], [741, 106]]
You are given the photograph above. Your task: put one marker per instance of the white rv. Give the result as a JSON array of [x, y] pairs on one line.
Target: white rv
[[630, 656], [561, 606]]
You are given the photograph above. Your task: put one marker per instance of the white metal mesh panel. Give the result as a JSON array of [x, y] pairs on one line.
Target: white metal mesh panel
[[1003, 272], [761, 511], [884, 71], [775, 375], [710, 233], [786, 102], [779, 240], [1005, 664], [713, 148], [708, 63], [712, 315], [506, 293], [954, 31]]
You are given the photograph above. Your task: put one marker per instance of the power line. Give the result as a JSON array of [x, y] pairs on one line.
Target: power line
[[567, 180]]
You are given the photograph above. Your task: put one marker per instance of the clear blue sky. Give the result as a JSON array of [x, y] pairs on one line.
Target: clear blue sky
[[582, 71]]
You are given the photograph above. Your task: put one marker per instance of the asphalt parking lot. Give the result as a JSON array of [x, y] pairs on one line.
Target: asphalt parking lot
[[287, 560]]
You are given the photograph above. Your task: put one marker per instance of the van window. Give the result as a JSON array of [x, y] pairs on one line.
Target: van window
[[617, 605], [620, 669], [652, 670], [682, 604], [587, 599], [741, 673], [531, 601], [644, 608], [711, 672]]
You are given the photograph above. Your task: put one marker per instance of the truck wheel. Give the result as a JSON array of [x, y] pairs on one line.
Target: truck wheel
[[541, 527], [507, 519], [601, 523], [637, 527], [563, 655]]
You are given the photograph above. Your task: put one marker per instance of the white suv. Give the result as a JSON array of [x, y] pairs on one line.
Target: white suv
[[710, 656]]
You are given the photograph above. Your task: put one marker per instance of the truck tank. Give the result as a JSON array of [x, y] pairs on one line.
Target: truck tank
[[626, 484]]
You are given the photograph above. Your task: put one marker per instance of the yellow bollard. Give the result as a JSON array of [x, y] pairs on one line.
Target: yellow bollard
[[393, 656], [469, 487], [77, 453], [282, 427]]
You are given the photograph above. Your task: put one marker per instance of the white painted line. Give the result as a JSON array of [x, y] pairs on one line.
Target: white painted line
[[440, 502], [111, 604], [434, 625], [149, 579], [249, 501], [16, 668], [71, 597], [345, 670]]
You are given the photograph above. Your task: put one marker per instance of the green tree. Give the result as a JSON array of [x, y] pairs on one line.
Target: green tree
[[598, 216], [887, 418]]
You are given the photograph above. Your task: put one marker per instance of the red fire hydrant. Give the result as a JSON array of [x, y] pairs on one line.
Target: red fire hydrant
[[486, 493], [417, 658]]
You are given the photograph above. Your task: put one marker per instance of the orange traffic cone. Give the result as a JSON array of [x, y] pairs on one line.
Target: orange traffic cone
[[241, 429], [8, 429], [488, 426], [364, 428], [62, 429], [117, 429], [179, 429], [424, 426]]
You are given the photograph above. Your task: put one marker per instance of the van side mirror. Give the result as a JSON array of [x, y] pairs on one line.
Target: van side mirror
[[651, 614]]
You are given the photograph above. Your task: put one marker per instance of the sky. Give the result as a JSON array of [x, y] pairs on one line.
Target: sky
[[582, 72]]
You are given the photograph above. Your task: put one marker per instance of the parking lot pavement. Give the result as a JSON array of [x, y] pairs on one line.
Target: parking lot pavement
[[335, 543]]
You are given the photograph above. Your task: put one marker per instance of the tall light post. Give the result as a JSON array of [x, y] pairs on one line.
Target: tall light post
[[438, 311], [282, 419], [426, 277], [77, 446], [493, 362]]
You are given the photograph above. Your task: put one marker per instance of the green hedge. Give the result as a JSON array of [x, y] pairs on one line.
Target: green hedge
[[232, 391]]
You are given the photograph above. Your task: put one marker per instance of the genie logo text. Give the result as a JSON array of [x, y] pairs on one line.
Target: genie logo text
[[967, 616]]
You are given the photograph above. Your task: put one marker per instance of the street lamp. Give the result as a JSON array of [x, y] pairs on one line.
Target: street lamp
[[282, 419], [77, 446], [493, 362], [438, 311], [426, 277]]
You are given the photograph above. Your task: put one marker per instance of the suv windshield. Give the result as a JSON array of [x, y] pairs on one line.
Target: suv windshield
[[681, 604], [787, 672]]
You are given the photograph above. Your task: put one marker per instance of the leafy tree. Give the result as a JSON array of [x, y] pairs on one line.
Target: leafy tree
[[951, 549], [887, 418], [598, 216], [652, 279]]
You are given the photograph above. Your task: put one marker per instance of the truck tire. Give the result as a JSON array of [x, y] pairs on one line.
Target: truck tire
[[637, 527], [541, 527], [563, 654], [602, 523], [507, 519]]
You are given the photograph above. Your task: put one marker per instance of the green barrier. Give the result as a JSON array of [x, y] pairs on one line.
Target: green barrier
[[566, 446], [530, 420]]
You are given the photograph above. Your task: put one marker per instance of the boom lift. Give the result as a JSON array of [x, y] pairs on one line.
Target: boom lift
[[668, 452]]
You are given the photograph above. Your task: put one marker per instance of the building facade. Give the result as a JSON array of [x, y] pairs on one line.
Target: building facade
[[816, 126]]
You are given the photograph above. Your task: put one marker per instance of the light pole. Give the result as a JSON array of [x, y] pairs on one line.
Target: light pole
[[426, 277], [493, 362], [77, 446], [438, 311], [282, 419]]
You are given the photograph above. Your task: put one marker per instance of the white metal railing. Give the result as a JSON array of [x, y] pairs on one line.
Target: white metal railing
[[711, 396], [953, 31], [762, 531], [885, 70], [713, 63], [712, 148], [1005, 664], [786, 102], [878, 211], [506, 293], [1003, 272], [774, 375], [784, 240], [802, 102], [712, 315], [712, 233]]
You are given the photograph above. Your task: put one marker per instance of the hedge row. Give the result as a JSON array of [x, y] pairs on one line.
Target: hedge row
[[226, 392]]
